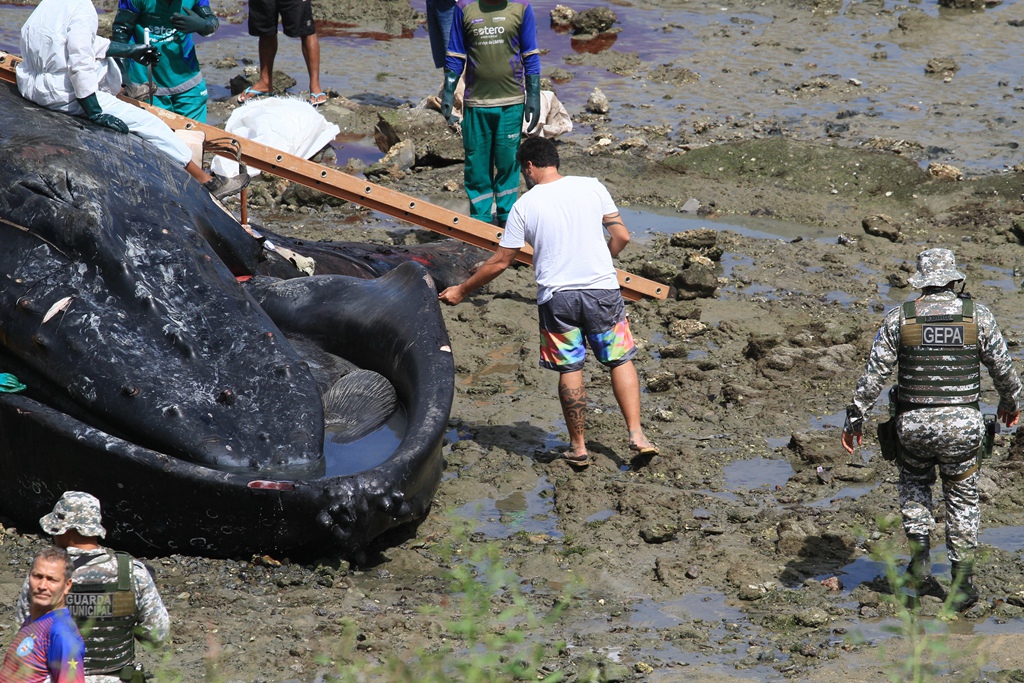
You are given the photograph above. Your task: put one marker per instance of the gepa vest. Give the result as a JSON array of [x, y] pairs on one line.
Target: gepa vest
[[106, 616], [939, 360]]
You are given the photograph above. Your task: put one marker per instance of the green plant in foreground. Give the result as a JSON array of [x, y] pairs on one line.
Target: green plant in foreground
[[492, 633], [928, 643]]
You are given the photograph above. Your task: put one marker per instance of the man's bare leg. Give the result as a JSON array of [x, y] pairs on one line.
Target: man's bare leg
[[197, 172], [573, 397], [267, 52], [311, 53], [626, 387]]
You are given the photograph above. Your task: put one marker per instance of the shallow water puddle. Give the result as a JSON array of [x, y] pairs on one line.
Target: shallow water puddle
[[360, 148], [756, 473], [529, 511], [730, 636], [1008, 538], [845, 492]]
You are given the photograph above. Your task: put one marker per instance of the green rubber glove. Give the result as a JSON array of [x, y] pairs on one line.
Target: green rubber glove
[[146, 55], [94, 113], [451, 80], [202, 21], [9, 383], [531, 112], [124, 26]]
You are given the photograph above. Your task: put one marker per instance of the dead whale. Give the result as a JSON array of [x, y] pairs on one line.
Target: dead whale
[[161, 385]]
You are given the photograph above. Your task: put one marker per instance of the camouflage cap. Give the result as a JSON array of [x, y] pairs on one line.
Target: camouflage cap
[[75, 510], [935, 268]]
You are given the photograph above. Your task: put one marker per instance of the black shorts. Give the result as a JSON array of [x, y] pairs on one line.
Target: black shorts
[[296, 17]]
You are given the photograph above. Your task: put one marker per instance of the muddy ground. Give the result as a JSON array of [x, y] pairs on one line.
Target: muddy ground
[[707, 562]]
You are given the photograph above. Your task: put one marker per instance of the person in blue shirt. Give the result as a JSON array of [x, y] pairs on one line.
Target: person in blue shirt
[[180, 86]]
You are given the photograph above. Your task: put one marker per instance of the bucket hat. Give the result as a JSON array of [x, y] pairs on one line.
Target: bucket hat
[[935, 268], [75, 510]]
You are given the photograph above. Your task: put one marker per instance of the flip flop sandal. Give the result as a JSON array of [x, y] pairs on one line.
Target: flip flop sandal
[[251, 94], [645, 451], [317, 98], [578, 460]]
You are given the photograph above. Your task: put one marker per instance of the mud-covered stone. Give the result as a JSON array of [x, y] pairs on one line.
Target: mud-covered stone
[[881, 225], [594, 20]]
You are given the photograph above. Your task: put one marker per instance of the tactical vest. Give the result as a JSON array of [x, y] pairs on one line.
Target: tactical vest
[[106, 615], [939, 359]]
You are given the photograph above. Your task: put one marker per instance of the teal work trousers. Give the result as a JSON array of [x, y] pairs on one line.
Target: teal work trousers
[[191, 103], [490, 138]]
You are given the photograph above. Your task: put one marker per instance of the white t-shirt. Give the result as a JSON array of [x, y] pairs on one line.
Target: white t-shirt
[[562, 221]]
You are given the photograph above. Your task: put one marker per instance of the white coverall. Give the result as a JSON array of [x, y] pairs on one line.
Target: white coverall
[[64, 59]]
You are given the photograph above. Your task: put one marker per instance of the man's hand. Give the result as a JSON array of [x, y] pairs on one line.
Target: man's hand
[[531, 110], [848, 440], [146, 55], [452, 295], [188, 21], [93, 112], [1007, 418]]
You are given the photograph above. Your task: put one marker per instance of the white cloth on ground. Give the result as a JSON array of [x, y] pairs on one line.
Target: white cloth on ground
[[287, 124], [563, 222]]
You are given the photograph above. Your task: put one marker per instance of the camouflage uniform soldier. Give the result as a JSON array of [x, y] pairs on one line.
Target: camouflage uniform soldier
[[938, 340], [113, 598]]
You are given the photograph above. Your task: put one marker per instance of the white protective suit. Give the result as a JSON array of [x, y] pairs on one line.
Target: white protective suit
[[64, 60]]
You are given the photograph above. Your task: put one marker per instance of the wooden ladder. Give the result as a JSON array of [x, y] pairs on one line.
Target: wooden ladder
[[338, 184]]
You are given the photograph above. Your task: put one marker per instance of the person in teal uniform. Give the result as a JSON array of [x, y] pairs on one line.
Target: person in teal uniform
[[180, 86]]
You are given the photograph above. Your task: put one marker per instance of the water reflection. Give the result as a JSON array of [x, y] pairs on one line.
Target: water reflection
[[529, 511], [367, 452], [755, 473]]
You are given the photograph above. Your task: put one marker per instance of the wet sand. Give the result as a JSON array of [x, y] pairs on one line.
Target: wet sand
[[707, 563]]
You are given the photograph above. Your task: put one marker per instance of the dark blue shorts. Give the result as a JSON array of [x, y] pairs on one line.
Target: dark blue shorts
[[573, 319]]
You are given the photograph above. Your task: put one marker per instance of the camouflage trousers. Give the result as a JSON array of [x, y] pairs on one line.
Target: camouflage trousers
[[947, 438]]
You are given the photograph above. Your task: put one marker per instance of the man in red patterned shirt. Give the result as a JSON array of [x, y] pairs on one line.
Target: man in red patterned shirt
[[48, 647]]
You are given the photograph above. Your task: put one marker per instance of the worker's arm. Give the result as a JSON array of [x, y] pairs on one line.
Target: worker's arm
[[201, 21], [124, 25], [491, 269], [619, 235]]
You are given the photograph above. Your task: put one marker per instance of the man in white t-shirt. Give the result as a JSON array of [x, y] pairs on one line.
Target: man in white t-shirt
[[578, 299]]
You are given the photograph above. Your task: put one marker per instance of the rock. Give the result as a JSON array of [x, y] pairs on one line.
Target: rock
[[692, 572], [281, 81], [661, 381], [561, 17], [597, 103], [833, 583], [941, 65], [686, 328], [691, 205], [813, 617], [824, 476], [853, 474], [677, 77], [613, 672], [944, 171], [635, 142], [560, 76], [815, 447], [695, 281], [659, 532], [881, 225], [702, 238], [593, 21], [965, 4]]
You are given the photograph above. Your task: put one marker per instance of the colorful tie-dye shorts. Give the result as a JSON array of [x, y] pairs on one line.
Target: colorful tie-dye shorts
[[573, 319]]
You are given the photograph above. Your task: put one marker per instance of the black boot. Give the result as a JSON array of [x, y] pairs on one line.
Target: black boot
[[964, 592], [920, 568], [919, 579]]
